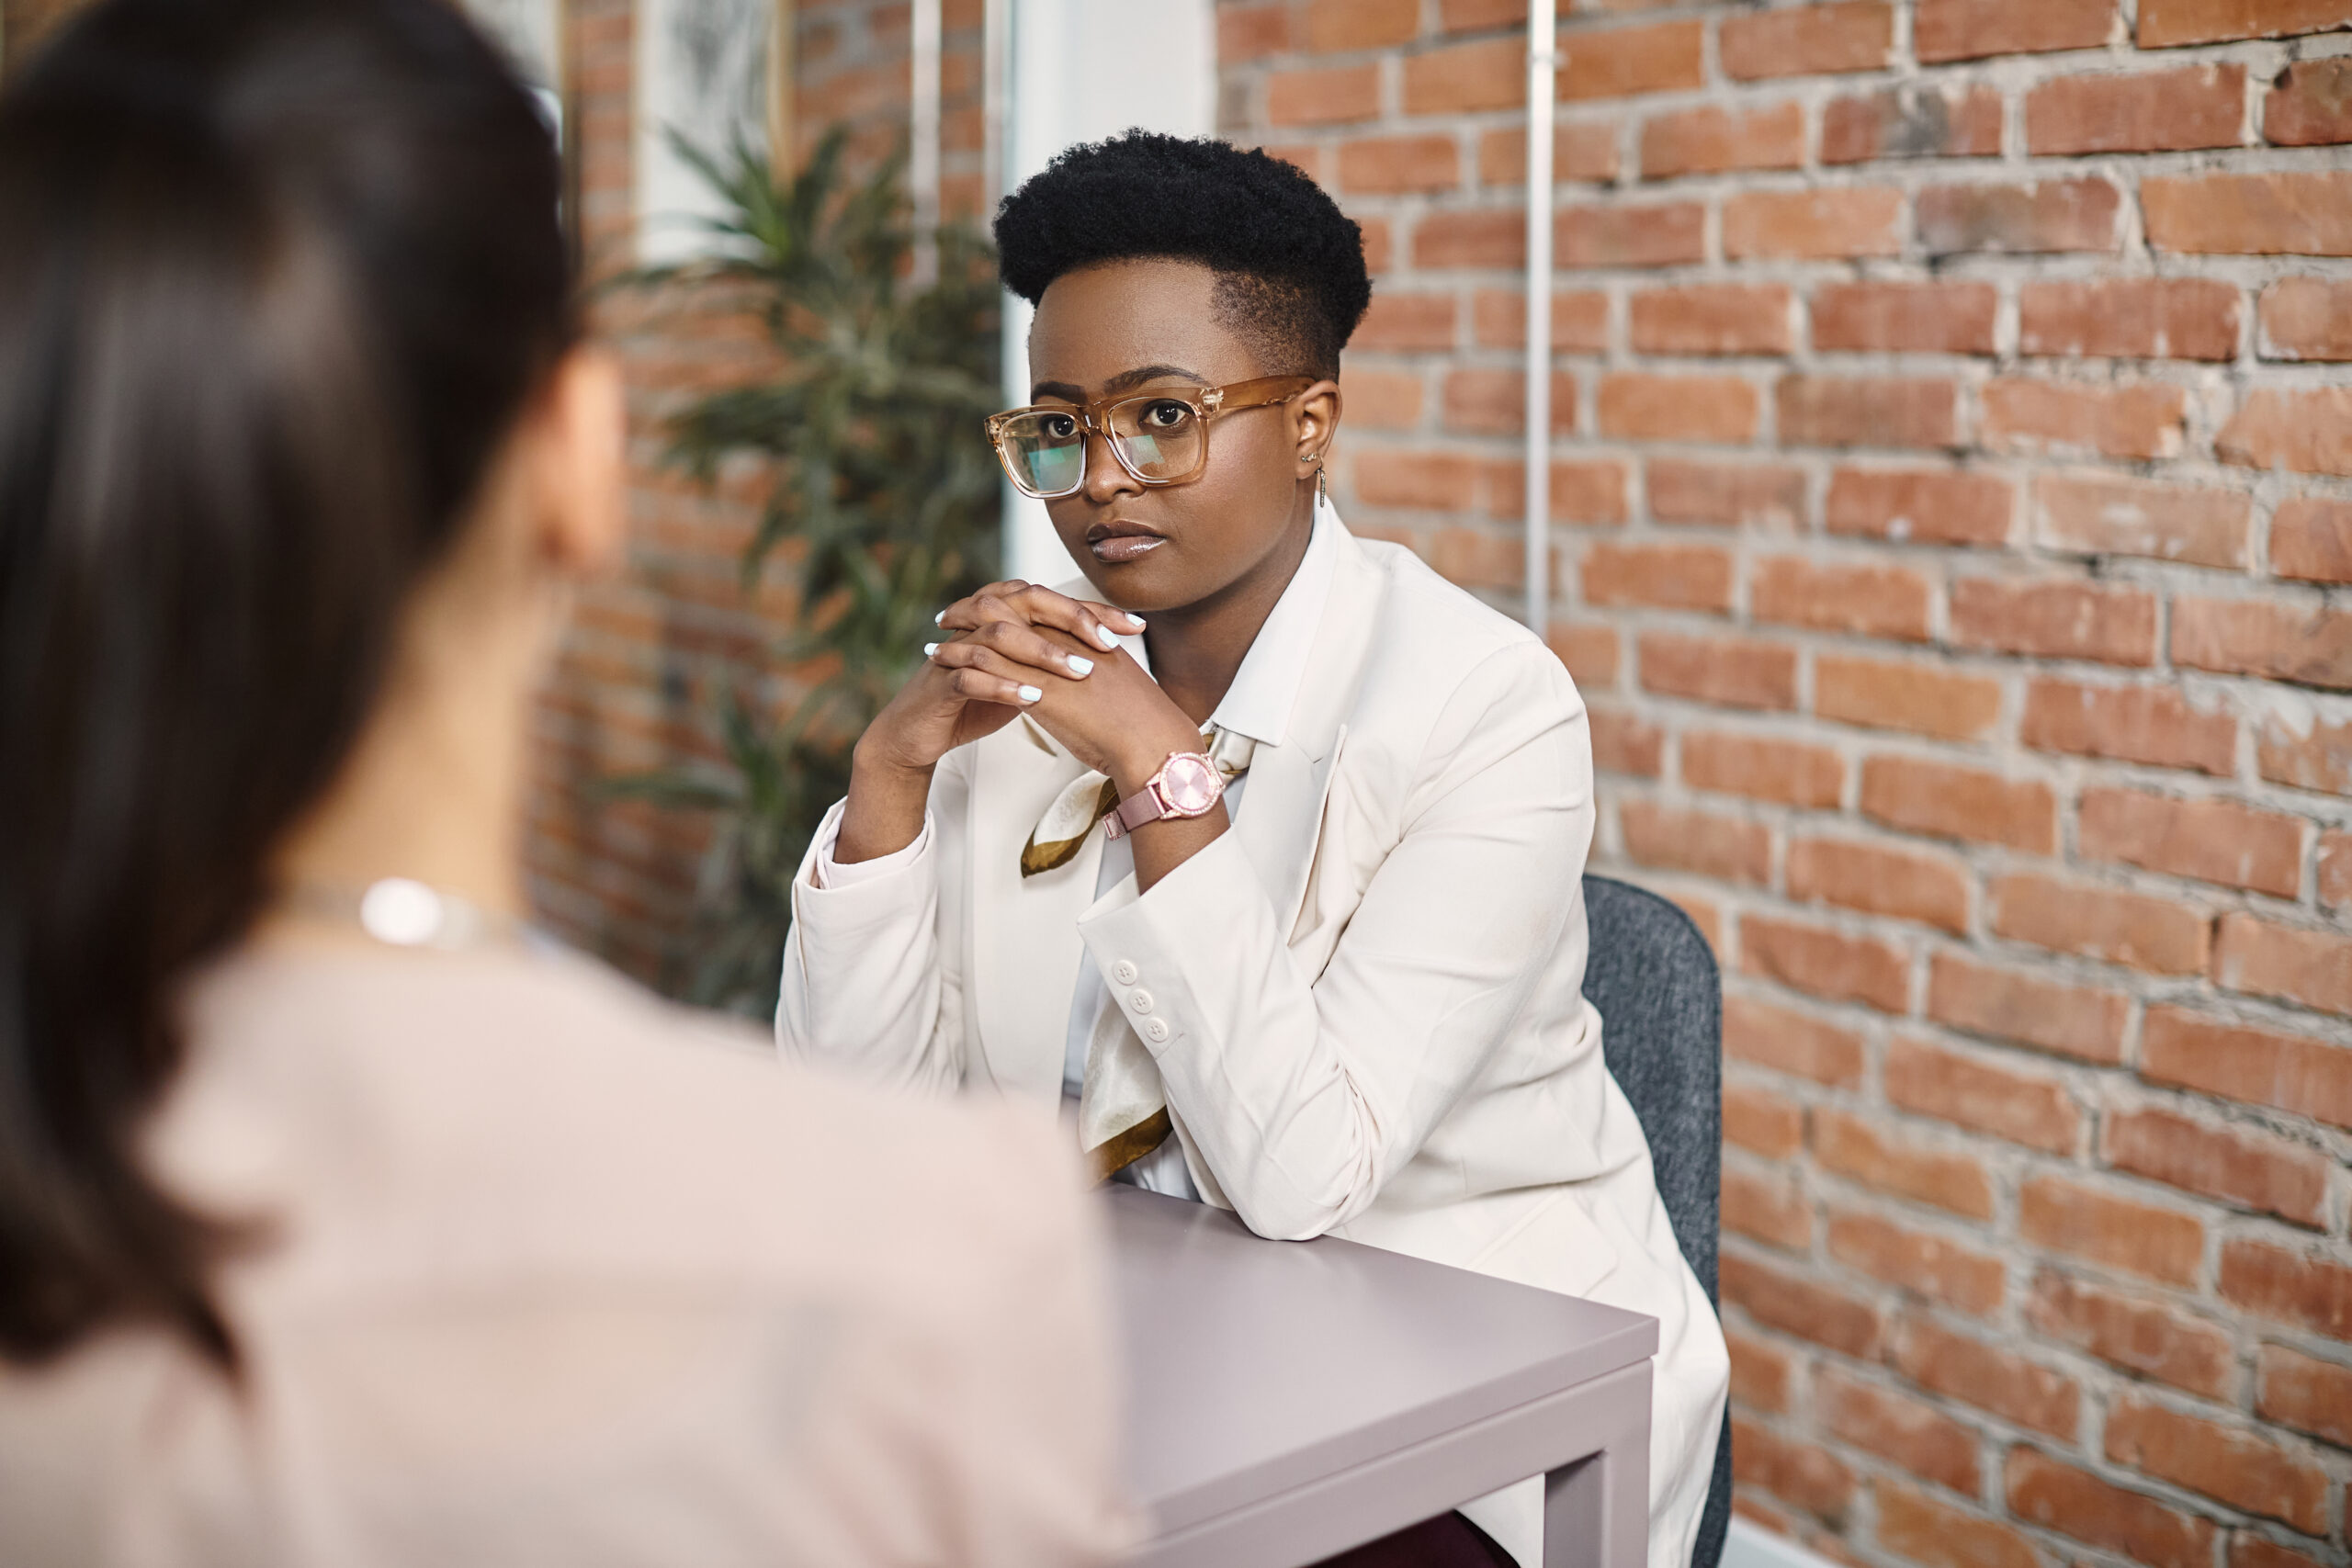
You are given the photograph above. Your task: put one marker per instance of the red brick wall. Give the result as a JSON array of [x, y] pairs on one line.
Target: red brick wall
[[649, 653], [1952, 477]]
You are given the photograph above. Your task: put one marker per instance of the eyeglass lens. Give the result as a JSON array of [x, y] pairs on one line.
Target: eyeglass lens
[[1157, 439]]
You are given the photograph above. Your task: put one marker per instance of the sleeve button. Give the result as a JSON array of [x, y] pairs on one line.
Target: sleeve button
[[1123, 972], [1140, 1001], [1157, 1031]]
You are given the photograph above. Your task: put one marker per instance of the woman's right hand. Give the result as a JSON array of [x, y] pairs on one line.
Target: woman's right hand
[[1003, 668]]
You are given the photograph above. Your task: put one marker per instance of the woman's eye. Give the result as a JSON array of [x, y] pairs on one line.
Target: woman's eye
[[1166, 415], [1060, 427]]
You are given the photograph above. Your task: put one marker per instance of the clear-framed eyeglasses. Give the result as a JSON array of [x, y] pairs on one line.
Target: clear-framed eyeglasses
[[1159, 438]]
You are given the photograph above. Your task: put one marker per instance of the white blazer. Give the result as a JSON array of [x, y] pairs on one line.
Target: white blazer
[[1373, 982]]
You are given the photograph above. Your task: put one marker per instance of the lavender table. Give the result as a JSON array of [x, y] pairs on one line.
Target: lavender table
[[1291, 1400]]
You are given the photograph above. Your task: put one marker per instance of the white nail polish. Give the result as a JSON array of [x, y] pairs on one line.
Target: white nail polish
[[1078, 666], [1137, 620], [940, 619], [1029, 693], [929, 648], [1106, 637]]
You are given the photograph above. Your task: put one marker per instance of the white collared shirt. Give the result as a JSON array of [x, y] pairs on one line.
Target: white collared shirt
[[1257, 704]]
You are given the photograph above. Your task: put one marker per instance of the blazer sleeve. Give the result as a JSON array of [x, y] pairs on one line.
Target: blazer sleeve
[[1306, 1093], [871, 983]]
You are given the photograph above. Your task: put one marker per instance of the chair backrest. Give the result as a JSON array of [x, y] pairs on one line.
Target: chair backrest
[[1653, 977]]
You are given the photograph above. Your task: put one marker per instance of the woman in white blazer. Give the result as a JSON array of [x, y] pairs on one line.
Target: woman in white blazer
[[1321, 963]]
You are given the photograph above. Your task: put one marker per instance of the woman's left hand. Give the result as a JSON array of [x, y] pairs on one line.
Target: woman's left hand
[[1115, 719]]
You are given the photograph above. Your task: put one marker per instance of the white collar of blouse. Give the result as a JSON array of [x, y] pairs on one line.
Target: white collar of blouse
[[1265, 689]]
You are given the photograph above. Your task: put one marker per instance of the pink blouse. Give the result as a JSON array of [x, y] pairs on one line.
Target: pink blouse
[[549, 1272]]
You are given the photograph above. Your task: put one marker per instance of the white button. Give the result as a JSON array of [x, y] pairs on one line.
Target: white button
[[1140, 1001], [1124, 973], [1156, 1031]]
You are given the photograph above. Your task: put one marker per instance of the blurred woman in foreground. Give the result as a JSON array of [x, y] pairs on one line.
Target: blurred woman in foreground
[[337, 1223]]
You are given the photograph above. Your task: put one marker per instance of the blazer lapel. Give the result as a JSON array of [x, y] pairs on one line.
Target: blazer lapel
[[1025, 946], [1281, 820]]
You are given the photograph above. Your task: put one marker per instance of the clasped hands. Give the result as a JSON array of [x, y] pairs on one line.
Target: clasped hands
[[1010, 649]]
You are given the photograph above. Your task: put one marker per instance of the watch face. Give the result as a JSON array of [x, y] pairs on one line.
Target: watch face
[[1188, 785]]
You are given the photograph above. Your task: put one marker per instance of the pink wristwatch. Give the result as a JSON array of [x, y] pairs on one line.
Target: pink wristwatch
[[1187, 785]]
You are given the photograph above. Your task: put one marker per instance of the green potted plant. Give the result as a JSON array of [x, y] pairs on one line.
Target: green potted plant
[[872, 432]]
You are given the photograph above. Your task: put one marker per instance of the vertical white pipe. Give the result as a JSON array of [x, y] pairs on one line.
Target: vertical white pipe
[[922, 140], [1543, 60]]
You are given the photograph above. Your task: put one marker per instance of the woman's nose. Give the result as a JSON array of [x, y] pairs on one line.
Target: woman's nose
[[1105, 479]]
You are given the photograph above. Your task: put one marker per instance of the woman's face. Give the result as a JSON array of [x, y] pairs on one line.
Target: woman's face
[[1124, 328]]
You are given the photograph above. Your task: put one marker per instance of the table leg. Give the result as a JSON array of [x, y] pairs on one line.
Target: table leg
[[1596, 1509], [1596, 1506]]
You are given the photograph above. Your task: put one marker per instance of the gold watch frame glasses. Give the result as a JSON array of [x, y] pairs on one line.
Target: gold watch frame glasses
[[1159, 438]]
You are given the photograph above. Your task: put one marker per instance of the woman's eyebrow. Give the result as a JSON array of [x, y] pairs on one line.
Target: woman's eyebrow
[[1127, 378], [1118, 383]]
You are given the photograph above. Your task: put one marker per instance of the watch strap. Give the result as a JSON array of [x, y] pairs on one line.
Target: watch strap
[[1144, 805]]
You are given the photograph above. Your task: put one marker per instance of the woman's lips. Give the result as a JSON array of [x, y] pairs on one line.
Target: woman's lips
[[1122, 542]]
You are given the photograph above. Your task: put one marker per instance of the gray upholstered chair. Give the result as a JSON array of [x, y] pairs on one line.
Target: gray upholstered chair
[[1653, 977]]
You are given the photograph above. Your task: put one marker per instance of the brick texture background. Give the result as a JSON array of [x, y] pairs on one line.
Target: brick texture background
[[651, 652], [1952, 477]]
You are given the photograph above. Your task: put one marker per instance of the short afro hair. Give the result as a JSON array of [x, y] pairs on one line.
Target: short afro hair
[[1291, 278]]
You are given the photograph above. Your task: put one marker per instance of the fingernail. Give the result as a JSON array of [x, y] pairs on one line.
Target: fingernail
[[1137, 620], [940, 619], [1078, 666], [1029, 693], [929, 648], [1105, 636]]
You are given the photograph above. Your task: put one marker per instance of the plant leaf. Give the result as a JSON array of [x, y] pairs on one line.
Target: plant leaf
[[870, 423]]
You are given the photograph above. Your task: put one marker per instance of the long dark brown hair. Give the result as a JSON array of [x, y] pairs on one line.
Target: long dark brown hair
[[276, 279]]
